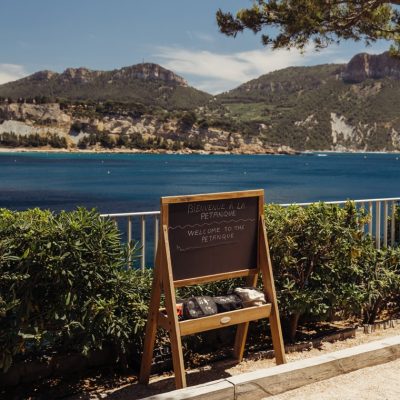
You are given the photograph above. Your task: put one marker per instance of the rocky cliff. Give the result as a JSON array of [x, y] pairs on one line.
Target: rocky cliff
[[146, 83], [368, 66], [84, 128], [326, 107], [352, 107], [144, 71]]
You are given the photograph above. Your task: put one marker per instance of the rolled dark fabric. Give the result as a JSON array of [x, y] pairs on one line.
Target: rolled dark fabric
[[199, 306], [229, 302]]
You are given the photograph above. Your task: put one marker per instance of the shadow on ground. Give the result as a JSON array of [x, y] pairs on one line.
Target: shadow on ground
[[161, 384]]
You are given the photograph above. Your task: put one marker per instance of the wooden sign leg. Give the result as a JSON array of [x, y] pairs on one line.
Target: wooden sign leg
[[170, 305], [269, 287], [242, 329], [151, 325]]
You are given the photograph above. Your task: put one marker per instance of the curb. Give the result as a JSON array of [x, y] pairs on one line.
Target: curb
[[281, 378]]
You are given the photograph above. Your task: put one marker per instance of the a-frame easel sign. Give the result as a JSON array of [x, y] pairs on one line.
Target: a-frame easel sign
[[205, 238]]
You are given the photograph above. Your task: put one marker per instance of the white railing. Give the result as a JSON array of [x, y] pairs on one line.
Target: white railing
[[378, 209], [138, 220]]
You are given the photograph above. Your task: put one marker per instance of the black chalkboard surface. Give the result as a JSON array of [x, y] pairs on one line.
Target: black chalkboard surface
[[213, 236]]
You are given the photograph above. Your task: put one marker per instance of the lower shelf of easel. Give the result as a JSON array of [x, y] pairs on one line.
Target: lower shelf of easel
[[216, 321]]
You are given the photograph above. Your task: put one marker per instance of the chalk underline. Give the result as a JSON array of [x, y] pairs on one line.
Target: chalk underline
[[182, 250], [211, 223]]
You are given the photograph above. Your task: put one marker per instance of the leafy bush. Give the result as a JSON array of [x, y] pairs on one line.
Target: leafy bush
[[187, 120], [34, 140], [64, 285], [315, 255], [380, 281]]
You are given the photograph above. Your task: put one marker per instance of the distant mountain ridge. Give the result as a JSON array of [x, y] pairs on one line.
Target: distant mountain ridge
[[145, 83], [341, 107], [352, 106], [144, 71]]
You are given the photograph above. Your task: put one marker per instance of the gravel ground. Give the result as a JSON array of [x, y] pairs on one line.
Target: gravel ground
[[379, 382], [223, 369]]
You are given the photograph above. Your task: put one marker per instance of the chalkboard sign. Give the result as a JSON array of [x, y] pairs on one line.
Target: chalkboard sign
[[206, 238], [213, 236]]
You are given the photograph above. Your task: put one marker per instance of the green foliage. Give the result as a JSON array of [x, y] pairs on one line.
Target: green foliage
[[297, 22], [194, 143], [106, 92], [297, 105], [380, 281], [315, 253], [187, 120], [12, 140], [64, 285], [136, 141]]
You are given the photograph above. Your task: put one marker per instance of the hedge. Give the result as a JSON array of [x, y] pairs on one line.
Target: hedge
[[65, 285], [325, 266]]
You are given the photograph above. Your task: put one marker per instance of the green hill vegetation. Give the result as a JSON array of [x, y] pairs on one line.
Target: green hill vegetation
[[323, 107], [146, 84], [297, 107]]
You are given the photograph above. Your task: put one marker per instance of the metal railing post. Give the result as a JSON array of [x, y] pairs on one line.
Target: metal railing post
[[393, 224], [370, 212], [378, 225], [143, 242], [129, 236], [385, 224]]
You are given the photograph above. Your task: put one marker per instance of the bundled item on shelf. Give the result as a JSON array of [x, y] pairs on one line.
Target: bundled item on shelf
[[229, 302], [250, 296], [199, 306], [203, 306]]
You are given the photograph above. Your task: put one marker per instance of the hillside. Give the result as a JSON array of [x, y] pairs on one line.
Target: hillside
[[146, 84], [326, 107], [342, 107]]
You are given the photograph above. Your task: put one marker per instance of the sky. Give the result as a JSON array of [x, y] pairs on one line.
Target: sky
[[181, 35]]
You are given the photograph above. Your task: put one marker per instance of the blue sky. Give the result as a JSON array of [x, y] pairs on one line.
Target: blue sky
[[181, 35]]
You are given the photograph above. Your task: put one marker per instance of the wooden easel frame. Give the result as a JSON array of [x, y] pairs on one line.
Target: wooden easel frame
[[163, 282]]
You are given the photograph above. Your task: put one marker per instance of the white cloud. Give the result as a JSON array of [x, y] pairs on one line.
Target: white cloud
[[215, 72], [204, 36], [11, 72]]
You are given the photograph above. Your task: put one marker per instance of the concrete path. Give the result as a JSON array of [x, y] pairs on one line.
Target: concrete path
[[380, 382]]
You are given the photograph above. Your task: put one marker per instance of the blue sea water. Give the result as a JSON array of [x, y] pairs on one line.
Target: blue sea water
[[135, 182]]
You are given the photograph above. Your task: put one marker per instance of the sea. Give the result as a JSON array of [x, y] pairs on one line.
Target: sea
[[115, 183]]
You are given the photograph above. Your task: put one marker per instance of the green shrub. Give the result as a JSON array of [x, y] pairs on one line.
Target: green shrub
[[187, 120], [380, 283], [315, 254], [64, 285]]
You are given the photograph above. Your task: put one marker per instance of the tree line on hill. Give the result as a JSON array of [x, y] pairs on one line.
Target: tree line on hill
[[136, 141], [10, 139]]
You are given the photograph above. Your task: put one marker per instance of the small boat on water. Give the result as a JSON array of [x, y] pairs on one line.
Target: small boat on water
[[321, 155]]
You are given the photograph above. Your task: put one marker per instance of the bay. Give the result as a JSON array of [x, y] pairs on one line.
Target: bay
[[135, 182]]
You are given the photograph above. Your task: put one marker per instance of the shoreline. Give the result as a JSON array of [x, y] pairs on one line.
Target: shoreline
[[183, 152], [138, 151]]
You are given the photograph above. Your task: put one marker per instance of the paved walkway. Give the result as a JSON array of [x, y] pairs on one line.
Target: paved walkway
[[381, 382]]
